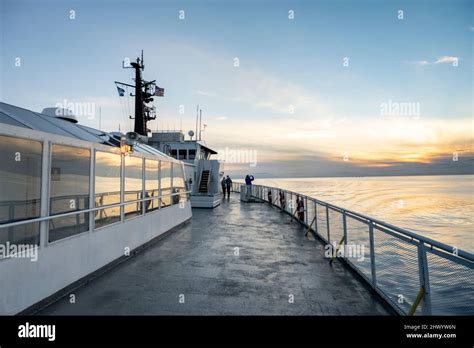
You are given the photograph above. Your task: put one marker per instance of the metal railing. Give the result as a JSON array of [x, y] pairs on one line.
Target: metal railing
[[175, 198], [90, 210], [413, 273]]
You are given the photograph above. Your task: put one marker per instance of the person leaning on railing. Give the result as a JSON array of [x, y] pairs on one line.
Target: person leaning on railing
[[282, 200], [300, 208], [248, 183]]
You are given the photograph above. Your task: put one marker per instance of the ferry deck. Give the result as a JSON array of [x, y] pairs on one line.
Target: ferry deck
[[276, 270]]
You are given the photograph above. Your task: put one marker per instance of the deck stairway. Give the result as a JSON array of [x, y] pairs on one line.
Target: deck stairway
[[204, 184]]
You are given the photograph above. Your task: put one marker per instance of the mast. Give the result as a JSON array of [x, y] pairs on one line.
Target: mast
[[144, 91], [197, 117], [140, 122], [200, 120]]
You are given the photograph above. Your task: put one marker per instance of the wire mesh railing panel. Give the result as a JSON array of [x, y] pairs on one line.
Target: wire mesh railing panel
[[397, 270], [336, 227], [280, 199], [310, 215], [451, 286], [358, 237], [321, 220], [275, 197], [290, 203]]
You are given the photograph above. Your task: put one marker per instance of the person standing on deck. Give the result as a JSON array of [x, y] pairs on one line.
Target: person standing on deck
[[282, 200], [300, 208], [223, 185], [248, 188], [270, 200], [228, 184]]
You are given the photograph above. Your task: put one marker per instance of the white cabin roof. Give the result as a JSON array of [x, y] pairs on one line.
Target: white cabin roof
[[20, 117]]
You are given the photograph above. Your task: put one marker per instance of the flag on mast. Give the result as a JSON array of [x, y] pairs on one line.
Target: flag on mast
[[120, 91], [159, 92]]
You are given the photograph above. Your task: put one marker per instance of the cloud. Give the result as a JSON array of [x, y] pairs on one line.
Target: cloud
[[419, 62], [218, 118], [440, 60], [263, 92], [446, 59], [249, 85], [367, 142], [206, 94]]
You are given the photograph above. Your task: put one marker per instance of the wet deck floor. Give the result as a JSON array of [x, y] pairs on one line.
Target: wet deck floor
[[275, 263]]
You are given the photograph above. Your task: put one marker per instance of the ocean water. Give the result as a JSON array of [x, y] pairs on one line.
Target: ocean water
[[439, 207]]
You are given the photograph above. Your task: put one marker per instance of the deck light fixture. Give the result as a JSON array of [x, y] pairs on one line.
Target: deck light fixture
[[127, 142]]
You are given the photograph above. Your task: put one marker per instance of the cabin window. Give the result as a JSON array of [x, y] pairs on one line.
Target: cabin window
[[69, 190], [133, 186], [182, 154], [107, 187], [151, 184], [20, 189], [179, 184], [174, 153], [192, 154], [165, 182]]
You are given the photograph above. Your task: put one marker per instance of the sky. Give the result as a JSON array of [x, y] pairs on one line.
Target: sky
[[286, 88]]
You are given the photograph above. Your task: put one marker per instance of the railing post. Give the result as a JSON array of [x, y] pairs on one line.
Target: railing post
[[372, 254], [344, 227], [327, 224], [122, 187], [424, 278], [159, 184], [306, 207], [316, 215], [91, 215], [43, 226], [143, 204], [292, 204]]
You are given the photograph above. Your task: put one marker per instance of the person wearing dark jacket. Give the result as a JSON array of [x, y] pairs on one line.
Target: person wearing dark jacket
[[223, 185], [282, 200], [300, 208], [228, 184], [249, 179], [248, 187]]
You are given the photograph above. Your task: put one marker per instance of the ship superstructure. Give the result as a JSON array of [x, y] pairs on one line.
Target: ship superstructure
[[202, 172]]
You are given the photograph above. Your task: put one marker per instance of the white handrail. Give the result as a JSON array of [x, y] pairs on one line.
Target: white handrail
[[83, 211]]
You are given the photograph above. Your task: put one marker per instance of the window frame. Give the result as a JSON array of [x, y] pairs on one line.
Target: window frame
[[91, 197]]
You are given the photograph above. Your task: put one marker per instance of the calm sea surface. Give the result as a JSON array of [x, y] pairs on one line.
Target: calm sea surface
[[439, 207]]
